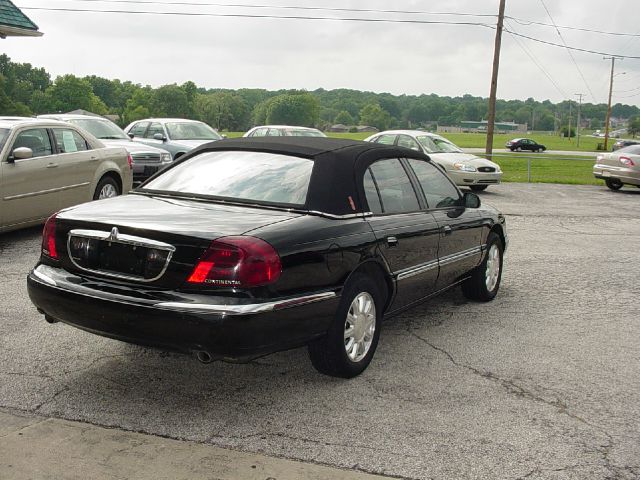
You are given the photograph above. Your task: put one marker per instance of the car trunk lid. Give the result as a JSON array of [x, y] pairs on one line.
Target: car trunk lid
[[150, 240]]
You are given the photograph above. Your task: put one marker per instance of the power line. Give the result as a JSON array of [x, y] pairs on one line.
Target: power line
[[248, 15], [289, 7], [337, 19], [576, 49], [568, 50], [535, 61], [360, 10], [566, 27]]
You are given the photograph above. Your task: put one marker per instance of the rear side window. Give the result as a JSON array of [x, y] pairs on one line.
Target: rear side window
[[395, 191], [244, 176], [438, 190], [69, 141]]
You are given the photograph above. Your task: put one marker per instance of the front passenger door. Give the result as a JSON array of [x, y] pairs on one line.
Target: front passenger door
[[407, 235], [460, 248], [31, 186]]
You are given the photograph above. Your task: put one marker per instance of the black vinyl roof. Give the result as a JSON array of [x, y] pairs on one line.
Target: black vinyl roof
[[339, 165]]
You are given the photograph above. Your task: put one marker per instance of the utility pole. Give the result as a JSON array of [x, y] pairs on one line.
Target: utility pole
[[606, 125], [491, 119], [579, 95], [569, 130]]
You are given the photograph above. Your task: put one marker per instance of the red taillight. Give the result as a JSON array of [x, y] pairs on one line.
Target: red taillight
[[627, 161], [130, 162], [237, 262], [49, 238]]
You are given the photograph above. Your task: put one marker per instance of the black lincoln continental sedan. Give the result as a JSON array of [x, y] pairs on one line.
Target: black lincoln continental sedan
[[247, 247]]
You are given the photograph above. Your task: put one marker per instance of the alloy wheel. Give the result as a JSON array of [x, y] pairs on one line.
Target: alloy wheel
[[493, 268], [360, 326]]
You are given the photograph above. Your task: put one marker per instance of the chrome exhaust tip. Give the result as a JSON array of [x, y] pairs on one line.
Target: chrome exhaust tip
[[204, 357]]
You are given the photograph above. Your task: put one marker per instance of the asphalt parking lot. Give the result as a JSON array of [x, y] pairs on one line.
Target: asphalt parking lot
[[544, 382]]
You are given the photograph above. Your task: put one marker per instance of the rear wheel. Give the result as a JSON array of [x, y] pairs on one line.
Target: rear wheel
[[613, 183], [107, 188], [348, 347], [478, 188], [484, 282]]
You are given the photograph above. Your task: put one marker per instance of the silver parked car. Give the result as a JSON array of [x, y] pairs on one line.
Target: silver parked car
[[618, 168], [175, 135], [465, 169], [283, 131], [147, 160], [46, 165]]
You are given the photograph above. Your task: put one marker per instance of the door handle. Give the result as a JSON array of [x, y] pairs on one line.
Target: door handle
[[52, 165], [446, 230], [392, 241]]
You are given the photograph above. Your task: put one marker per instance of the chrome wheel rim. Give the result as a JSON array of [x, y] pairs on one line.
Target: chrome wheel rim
[[360, 326], [493, 268], [107, 191]]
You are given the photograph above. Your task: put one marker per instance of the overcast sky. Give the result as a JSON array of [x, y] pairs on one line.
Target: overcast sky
[[400, 58]]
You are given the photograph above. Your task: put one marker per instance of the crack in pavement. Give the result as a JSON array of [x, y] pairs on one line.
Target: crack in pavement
[[64, 389], [559, 405]]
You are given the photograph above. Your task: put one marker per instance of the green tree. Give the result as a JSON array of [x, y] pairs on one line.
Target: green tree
[[223, 111], [301, 109], [70, 93], [374, 116], [344, 118], [170, 101]]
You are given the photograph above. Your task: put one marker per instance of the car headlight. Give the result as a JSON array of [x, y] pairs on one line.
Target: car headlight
[[463, 167], [165, 157]]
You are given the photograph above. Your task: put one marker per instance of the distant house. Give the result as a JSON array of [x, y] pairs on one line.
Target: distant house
[[366, 128], [14, 23], [339, 128]]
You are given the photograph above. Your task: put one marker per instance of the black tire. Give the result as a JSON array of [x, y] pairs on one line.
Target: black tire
[[478, 188], [478, 287], [613, 184], [329, 353], [107, 188], [519, 149]]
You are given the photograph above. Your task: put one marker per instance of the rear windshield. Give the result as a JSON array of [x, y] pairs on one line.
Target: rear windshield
[[255, 177]]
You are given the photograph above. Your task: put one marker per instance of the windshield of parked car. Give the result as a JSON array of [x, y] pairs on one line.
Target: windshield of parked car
[[191, 131], [437, 145], [4, 133], [255, 177], [101, 129]]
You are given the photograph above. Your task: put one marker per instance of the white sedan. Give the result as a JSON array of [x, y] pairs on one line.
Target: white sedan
[[465, 169]]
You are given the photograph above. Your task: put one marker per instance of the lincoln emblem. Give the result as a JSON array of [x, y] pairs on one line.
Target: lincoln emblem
[[113, 236]]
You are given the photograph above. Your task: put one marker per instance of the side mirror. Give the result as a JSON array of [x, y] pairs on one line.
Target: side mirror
[[21, 153], [131, 135], [471, 200], [159, 136], [223, 136]]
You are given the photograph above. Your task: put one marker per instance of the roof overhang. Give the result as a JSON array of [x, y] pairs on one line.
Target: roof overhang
[[6, 31]]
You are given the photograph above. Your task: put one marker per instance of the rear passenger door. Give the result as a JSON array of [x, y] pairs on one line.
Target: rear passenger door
[[460, 228], [76, 163], [407, 235]]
